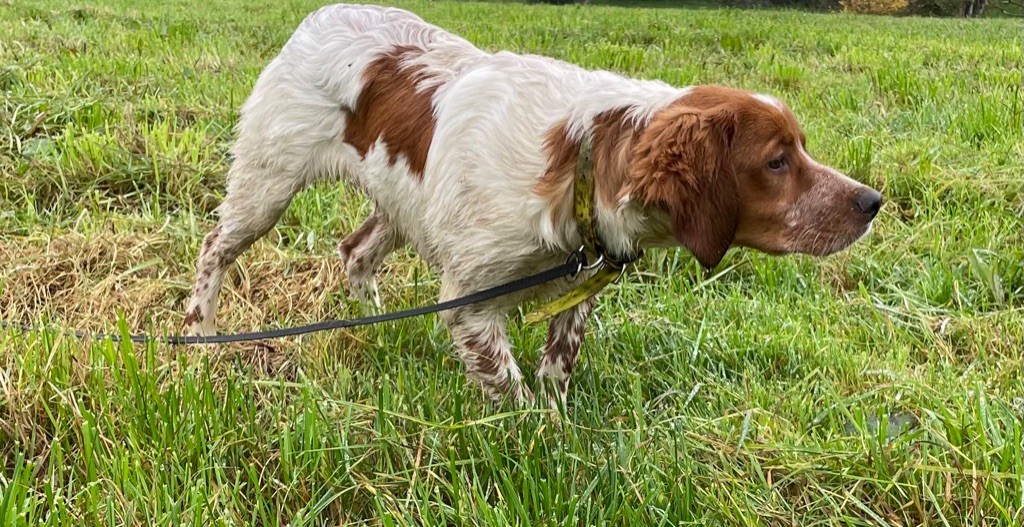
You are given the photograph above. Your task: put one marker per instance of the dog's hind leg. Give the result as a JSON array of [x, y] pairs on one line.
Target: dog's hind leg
[[256, 198], [364, 250], [558, 359]]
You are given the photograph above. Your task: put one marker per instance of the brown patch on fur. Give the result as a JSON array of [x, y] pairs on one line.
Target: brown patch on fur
[[565, 336], [559, 349], [612, 136], [555, 186], [357, 237], [192, 317], [390, 107], [484, 361], [682, 165]]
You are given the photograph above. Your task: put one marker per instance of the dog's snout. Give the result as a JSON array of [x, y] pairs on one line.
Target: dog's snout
[[869, 201]]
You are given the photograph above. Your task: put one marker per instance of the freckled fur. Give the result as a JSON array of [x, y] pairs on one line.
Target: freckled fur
[[468, 157], [558, 357]]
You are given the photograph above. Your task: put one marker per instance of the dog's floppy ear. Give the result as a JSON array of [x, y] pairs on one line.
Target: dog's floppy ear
[[681, 164]]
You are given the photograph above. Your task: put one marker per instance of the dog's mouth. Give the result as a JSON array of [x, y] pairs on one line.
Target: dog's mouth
[[818, 241], [823, 243]]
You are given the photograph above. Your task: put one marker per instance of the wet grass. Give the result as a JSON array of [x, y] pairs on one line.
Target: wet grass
[[881, 386]]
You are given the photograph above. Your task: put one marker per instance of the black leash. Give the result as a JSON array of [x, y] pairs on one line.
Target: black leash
[[576, 262]]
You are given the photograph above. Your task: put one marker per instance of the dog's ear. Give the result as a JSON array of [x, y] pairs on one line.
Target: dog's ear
[[681, 164]]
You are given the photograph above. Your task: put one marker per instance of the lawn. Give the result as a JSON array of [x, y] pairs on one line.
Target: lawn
[[884, 385]]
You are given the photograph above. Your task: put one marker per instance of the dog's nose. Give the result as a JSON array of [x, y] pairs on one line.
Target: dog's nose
[[868, 202]]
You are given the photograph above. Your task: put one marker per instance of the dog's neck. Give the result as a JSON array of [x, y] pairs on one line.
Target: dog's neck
[[629, 227], [624, 225]]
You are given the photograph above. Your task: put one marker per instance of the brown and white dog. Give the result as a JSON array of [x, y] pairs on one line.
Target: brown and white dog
[[469, 158]]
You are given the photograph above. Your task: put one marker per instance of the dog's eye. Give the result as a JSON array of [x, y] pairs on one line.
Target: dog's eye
[[777, 164]]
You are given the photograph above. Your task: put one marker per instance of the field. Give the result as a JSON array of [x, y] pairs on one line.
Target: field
[[882, 386]]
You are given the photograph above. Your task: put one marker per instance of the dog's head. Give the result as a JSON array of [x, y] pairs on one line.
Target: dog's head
[[730, 168]]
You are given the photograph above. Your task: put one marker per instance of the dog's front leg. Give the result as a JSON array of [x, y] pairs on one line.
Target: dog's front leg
[[558, 358], [481, 338], [485, 349]]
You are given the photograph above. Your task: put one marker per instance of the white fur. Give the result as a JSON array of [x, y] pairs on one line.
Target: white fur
[[769, 100]]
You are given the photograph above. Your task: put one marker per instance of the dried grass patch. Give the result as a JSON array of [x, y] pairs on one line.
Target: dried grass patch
[[82, 282]]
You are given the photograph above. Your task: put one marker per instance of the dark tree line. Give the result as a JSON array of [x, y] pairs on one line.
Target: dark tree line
[[964, 8]]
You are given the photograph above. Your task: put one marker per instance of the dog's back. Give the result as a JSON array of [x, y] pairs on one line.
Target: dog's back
[[326, 64]]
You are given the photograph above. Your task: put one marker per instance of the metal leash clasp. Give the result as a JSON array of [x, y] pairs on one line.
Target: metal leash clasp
[[620, 265], [581, 262], [595, 265]]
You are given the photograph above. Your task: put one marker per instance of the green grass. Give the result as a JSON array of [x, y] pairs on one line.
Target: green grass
[[752, 396]]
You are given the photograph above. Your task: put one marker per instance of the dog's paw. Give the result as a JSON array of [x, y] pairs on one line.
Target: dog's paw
[[365, 290]]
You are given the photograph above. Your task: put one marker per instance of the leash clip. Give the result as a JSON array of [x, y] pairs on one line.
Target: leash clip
[[595, 265], [580, 257]]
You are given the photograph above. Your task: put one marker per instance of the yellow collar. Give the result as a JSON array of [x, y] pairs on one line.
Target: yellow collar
[[607, 271], [583, 198]]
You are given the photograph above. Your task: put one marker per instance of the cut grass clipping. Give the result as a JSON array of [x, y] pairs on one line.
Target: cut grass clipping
[[882, 386]]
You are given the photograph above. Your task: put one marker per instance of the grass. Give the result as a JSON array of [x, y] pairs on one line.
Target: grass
[[758, 395]]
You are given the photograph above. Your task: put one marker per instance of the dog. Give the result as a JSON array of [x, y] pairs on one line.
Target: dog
[[469, 158]]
